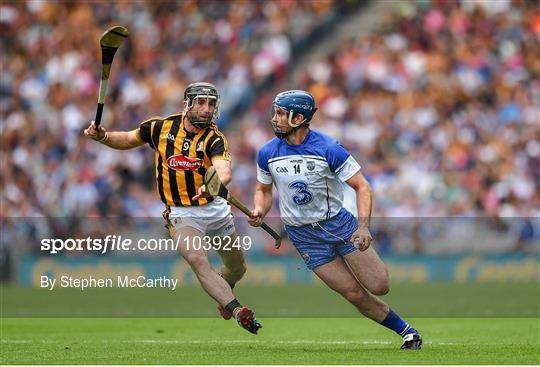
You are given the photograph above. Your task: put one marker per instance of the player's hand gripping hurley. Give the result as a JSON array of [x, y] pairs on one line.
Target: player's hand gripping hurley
[[109, 42], [215, 187]]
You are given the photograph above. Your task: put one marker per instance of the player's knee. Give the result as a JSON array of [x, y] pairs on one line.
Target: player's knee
[[239, 270], [380, 284], [198, 262], [380, 288], [235, 272]]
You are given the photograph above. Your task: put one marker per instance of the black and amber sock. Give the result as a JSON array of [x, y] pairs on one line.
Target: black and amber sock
[[232, 306]]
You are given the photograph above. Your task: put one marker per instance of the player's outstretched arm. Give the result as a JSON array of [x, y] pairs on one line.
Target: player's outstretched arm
[[224, 172], [223, 169], [262, 202], [362, 237], [116, 139]]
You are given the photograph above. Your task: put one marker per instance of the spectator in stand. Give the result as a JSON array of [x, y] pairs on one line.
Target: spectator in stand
[[440, 104]]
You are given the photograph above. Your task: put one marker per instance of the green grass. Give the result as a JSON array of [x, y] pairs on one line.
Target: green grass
[[497, 323], [281, 341], [293, 300]]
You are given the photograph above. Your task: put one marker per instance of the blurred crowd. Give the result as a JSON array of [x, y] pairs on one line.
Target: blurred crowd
[[440, 104], [50, 78], [441, 107]]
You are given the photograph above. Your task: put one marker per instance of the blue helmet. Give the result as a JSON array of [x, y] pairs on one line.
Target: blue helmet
[[297, 101]]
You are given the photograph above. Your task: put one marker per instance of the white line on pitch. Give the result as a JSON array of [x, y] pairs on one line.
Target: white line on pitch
[[158, 341], [17, 341], [330, 342]]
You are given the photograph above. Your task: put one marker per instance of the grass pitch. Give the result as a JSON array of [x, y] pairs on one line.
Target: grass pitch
[[281, 341], [431, 300], [460, 323]]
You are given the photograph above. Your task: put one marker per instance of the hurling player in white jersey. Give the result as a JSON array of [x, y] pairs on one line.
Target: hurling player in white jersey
[[308, 168]]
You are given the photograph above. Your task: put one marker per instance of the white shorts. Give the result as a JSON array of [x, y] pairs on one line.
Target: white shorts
[[214, 219]]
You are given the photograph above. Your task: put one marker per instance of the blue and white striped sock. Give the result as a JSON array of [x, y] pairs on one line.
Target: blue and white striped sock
[[396, 323]]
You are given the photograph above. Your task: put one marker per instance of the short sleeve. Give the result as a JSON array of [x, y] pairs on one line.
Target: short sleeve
[[144, 132], [341, 162], [347, 169], [217, 148], [263, 172]]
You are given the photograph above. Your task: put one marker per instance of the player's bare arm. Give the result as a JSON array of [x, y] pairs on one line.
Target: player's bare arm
[[262, 202], [115, 139], [362, 238], [223, 169], [224, 172]]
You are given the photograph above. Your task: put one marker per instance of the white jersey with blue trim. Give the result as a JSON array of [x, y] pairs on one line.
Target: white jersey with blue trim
[[307, 176]]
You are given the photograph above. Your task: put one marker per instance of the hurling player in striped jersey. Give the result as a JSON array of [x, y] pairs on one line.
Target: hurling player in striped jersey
[[185, 145]]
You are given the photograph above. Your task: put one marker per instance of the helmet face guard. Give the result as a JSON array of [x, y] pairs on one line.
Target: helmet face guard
[[280, 130], [201, 90], [294, 103]]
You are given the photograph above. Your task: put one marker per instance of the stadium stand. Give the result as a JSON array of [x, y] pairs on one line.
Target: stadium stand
[[440, 103]]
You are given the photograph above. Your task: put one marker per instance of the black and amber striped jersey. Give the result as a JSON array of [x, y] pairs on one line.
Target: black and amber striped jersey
[[181, 157]]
